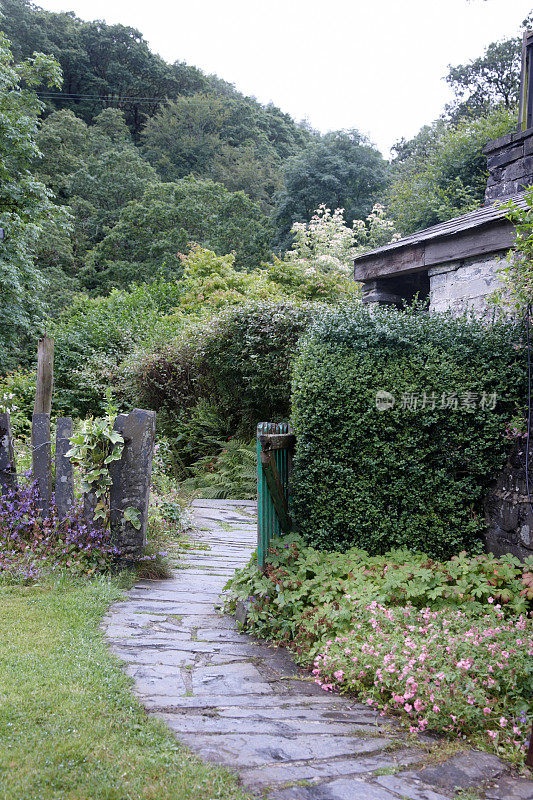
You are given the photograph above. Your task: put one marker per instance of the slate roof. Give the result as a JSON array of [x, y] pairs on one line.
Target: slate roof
[[482, 231]]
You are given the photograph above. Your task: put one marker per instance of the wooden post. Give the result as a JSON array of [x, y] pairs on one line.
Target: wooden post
[[40, 424], [45, 376]]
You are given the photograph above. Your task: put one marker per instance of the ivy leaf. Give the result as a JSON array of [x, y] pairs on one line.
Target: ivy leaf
[[132, 516], [115, 456]]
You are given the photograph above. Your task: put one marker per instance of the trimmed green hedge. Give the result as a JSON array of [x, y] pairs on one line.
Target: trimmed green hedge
[[402, 477]]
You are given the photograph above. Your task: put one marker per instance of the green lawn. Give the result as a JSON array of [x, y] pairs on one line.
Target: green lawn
[[70, 728]]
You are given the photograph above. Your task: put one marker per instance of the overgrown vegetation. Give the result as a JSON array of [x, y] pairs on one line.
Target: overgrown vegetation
[[442, 172], [445, 645], [400, 420], [222, 376], [516, 274]]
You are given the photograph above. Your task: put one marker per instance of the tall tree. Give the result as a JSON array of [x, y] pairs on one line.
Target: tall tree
[[26, 206], [339, 170], [152, 231], [492, 79]]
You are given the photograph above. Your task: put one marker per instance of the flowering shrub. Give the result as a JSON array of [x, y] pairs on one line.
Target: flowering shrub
[[440, 670], [31, 546], [326, 244], [460, 629]]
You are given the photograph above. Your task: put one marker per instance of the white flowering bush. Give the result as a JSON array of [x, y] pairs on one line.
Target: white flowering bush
[[327, 244]]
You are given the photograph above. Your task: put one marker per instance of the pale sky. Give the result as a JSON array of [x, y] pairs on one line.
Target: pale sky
[[375, 66]]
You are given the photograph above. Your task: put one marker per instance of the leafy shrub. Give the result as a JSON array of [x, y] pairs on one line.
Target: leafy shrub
[[414, 475], [223, 376], [94, 335], [452, 638], [300, 599], [17, 396]]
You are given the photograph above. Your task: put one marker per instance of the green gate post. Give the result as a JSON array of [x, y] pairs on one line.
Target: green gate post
[[273, 468]]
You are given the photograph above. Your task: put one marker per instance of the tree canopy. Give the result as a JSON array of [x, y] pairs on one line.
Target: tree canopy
[[339, 170], [152, 231], [26, 208], [490, 80], [442, 172]]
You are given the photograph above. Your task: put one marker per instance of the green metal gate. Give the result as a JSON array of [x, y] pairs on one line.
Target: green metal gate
[[275, 444]]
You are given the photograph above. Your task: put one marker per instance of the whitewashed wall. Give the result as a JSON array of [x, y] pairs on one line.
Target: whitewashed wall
[[462, 285]]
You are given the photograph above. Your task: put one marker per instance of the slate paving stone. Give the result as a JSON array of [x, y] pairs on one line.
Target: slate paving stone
[[316, 770], [221, 724], [411, 789], [220, 702], [238, 702], [197, 595], [291, 712], [157, 680], [202, 503], [464, 770], [509, 789], [256, 749], [342, 789], [238, 679]]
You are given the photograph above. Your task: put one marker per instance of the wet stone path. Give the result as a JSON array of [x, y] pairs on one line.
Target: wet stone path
[[237, 702]]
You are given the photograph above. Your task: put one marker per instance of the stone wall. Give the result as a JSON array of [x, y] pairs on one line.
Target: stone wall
[[508, 512], [462, 285], [510, 165]]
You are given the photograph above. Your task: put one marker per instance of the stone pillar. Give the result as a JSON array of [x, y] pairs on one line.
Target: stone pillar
[[64, 486], [42, 459], [115, 472], [509, 516], [8, 470], [131, 482]]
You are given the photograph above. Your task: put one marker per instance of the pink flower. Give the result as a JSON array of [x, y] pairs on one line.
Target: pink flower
[[408, 707], [492, 734], [436, 709], [419, 705], [503, 722], [486, 710]]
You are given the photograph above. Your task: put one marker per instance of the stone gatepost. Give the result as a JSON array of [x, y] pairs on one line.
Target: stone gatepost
[[131, 481], [42, 459], [8, 470], [64, 485]]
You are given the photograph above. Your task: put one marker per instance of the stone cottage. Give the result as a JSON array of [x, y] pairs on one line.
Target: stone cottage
[[455, 264]]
